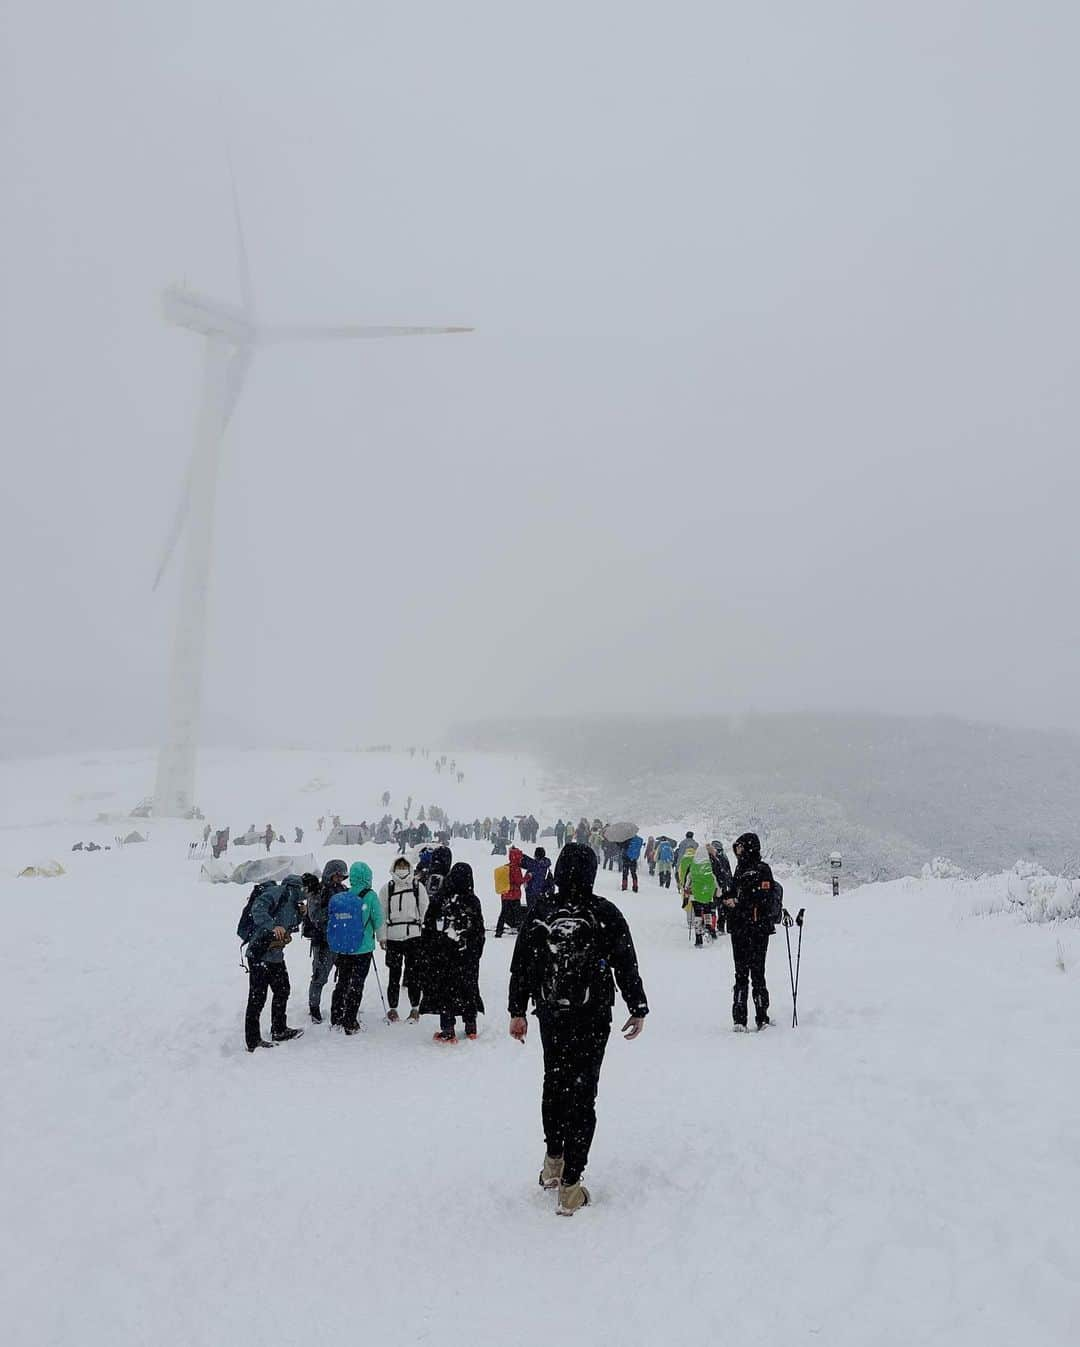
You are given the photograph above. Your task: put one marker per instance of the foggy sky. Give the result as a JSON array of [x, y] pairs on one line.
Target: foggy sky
[[772, 401]]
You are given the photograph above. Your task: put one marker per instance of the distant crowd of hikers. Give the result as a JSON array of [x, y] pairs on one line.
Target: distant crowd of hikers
[[573, 948]]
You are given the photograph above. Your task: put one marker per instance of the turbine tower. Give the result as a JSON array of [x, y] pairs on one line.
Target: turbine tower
[[231, 337]]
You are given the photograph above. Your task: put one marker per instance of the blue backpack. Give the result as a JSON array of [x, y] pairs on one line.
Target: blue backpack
[[633, 848], [346, 917], [664, 853]]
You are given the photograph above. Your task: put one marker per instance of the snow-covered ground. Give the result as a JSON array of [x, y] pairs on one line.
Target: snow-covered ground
[[904, 1168]]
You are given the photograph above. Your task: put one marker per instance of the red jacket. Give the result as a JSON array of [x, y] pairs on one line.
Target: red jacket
[[516, 876]]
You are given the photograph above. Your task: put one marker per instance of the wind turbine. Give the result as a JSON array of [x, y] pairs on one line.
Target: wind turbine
[[231, 337]]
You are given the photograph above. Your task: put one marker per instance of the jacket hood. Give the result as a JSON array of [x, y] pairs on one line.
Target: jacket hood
[[575, 870], [334, 870], [442, 859], [458, 881], [359, 876], [401, 860], [748, 847]]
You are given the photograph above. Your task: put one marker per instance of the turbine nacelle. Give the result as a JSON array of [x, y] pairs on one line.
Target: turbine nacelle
[[209, 317]]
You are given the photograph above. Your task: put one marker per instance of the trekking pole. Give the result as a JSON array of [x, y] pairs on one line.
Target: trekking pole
[[788, 923], [378, 983], [798, 957]]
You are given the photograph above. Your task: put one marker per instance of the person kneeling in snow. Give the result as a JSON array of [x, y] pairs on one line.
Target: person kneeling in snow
[[569, 947], [453, 946]]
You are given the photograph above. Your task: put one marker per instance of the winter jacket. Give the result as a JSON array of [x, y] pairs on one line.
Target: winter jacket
[[537, 877], [275, 905], [333, 880], [682, 867], [404, 902], [513, 894], [632, 849], [453, 945], [533, 971], [752, 889], [371, 913], [721, 869], [687, 844], [664, 854]]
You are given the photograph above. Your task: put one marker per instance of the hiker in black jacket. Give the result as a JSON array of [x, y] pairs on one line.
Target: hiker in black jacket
[[750, 907], [572, 949]]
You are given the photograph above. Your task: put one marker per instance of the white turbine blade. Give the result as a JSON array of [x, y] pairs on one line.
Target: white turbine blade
[[247, 290], [271, 334]]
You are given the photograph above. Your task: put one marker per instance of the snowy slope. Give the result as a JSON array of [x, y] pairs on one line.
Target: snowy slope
[[901, 1169]]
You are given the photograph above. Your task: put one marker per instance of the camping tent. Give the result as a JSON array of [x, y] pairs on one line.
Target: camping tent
[[347, 835], [134, 837], [271, 867], [43, 870]]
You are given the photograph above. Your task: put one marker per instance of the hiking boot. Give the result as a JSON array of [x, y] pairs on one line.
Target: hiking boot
[[739, 1028], [414, 1015], [551, 1174], [764, 1024], [262, 1043], [284, 1035], [698, 942], [442, 1037], [392, 1017], [572, 1197], [470, 1031], [316, 1015], [351, 1029]]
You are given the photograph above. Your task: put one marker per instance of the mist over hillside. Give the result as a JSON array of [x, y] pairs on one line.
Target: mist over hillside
[[891, 792]]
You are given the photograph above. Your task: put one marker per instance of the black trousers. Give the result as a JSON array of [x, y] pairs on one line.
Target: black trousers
[[264, 977], [403, 956], [749, 948], [665, 878], [511, 914], [352, 971], [629, 871], [574, 1049]]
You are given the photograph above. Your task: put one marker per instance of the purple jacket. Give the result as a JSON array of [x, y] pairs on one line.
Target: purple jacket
[[537, 873]]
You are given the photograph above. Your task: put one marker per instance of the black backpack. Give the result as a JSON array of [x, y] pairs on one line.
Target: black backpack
[[571, 960], [245, 927], [774, 903]]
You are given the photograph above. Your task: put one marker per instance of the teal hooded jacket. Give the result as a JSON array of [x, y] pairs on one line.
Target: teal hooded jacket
[[374, 921]]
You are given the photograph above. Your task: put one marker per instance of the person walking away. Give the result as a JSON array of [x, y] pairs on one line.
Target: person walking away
[[560, 834], [404, 902], [299, 835], [722, 870], [537, 870], [334, 880], [752, 912], [571, 945], [268, 837], [453, 946], [689, 843], [665, 860], [702, 890], [631, 850], [688, 848], [273, 912], [510, 908], [354, 921], [650, 856]]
